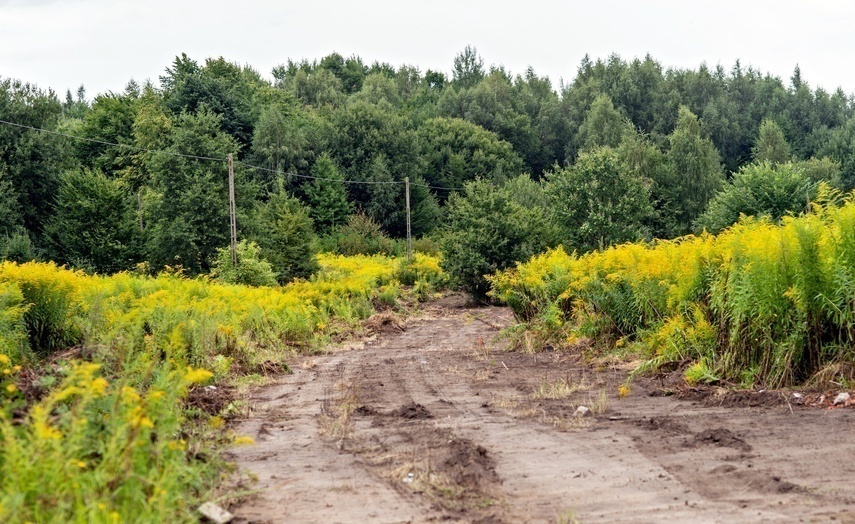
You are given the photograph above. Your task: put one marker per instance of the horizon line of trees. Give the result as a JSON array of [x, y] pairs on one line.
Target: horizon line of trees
[[627, 150]]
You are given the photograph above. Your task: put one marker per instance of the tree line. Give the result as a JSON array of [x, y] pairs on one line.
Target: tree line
[[626, 150]]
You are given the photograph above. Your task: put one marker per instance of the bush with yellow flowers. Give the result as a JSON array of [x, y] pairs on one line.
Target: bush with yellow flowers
[[760, 303], [105, 436]]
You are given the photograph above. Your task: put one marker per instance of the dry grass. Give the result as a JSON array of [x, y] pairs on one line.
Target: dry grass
[[600, 404], [507, 403], [557, 389], [336, 410]]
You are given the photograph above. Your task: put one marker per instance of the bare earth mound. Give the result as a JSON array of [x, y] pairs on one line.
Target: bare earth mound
[[433, 422]]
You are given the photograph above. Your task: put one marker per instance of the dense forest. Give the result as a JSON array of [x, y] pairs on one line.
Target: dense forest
[[501, 165]]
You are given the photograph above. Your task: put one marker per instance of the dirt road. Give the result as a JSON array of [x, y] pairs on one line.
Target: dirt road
[[433, 421]]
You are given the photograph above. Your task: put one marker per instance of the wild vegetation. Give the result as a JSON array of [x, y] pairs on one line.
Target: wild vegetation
[[108, 431], [761, 303], [120, 301], [330, 138]]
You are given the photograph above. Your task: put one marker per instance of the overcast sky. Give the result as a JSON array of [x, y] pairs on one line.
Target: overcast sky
[[102, 44]]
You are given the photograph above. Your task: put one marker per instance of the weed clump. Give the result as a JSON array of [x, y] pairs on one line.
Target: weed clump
[[759, 304]]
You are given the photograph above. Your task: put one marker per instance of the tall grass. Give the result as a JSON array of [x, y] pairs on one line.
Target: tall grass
[[105, 436], [761, 303]]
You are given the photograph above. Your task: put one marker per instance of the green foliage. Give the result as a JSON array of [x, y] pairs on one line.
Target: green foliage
[[820, 170], [372, 143], [360, 236], [327, 196], [94, 225], [32, 161], [219, 87], [762, 189], [188, 205], [377, 88], [251, 268], [10, 209], [111, 119], [283, 228], [468, 67], [456, 151], [771, 146], [603, 126], [487, 230], [695, 172], [643, 158], [282, 142], [17, 247], [599, 201], [839, 145], [425, 212]]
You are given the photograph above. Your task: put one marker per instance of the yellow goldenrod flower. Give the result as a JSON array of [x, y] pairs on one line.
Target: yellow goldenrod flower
[[197, 376], [65, 393], [11, 388], [177, 445], [216, 422], [98, 386], [243, 440], [40, 426], [155, 395], [4, 359], [130, 395]]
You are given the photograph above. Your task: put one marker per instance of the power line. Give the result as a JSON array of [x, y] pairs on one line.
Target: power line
[[258, 168], [216, 159]]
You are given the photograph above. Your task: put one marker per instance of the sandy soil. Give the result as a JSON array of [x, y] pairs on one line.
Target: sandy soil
[[434, 421]]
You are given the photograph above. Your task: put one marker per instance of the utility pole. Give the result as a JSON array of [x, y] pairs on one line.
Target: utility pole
[[232, 221], [409, 235]]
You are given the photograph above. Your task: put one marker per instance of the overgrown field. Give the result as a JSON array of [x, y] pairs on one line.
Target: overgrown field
[[95, 374], [759, 304]]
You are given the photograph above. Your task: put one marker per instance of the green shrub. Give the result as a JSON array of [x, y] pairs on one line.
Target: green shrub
[[488, 230], [764, 189], [17, 247], [360, 236], [251, 269], [283, 230]]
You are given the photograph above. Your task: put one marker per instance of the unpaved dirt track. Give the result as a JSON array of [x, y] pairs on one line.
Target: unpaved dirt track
[[435, 422]]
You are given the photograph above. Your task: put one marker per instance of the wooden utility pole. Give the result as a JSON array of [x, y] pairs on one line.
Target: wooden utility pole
[[232, 220], [409, 235]]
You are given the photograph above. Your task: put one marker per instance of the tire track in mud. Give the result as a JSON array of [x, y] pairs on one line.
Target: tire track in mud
[[414, 428]]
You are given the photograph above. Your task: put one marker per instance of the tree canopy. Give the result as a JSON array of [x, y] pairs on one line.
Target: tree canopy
[[625, 149]]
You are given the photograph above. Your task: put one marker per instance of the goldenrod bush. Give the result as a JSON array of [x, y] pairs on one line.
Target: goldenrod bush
[[760, 303], [105, 437]]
